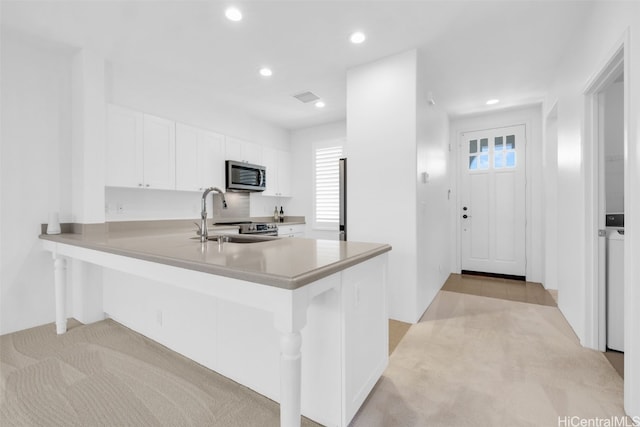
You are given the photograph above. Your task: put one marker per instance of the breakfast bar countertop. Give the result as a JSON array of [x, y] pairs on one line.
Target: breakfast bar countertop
[[287, 263]]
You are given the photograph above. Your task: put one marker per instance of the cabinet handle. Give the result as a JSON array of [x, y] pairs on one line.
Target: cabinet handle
[[139, 185], [147, 185]]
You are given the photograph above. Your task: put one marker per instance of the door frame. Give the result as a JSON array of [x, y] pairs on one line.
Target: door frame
[[521, 115], [595, 295]]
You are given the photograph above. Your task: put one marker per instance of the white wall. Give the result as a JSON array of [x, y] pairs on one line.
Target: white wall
[[531, 118], [433, 199], [390, 130], [585, 57], [302, 143], [191, 103], [550, 201], [35, 174]]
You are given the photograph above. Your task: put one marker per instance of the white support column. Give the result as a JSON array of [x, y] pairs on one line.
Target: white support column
[[289, 322], [290, 378], [60, 280]]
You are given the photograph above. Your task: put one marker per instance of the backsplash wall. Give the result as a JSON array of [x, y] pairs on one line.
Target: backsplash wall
[[133, 204]]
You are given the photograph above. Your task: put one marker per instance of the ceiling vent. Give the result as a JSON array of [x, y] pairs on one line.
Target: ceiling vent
[[306, 97]]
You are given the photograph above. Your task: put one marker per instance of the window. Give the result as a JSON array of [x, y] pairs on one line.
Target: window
[[326, 209], [504, 153]]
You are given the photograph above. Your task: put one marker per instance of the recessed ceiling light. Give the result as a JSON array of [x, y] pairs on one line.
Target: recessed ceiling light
[[357, 37], [493, 101], [233, 14], [266, 72], [320, 104]]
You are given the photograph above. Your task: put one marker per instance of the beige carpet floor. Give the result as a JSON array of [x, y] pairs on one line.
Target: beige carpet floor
[[471, 361], [481, 361], [104, 374]]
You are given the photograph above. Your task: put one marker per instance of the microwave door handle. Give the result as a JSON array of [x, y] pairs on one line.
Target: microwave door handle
[[261, 177]]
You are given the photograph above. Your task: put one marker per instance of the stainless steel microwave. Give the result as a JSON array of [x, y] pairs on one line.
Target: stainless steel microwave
[[242, 176]]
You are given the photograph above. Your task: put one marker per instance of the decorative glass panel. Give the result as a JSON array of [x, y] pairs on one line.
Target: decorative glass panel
[[511, 142], [498, 160], [499, 143], [473, 146], [484, 145], [484, 161], [473, 162], [511, 159]]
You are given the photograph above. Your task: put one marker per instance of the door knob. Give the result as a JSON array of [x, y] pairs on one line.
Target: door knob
[[464, 208], [465, 216]]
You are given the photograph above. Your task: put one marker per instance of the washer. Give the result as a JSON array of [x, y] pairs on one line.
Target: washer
[[615, 288]]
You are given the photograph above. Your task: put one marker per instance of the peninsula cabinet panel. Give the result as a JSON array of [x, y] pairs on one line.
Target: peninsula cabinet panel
[[124, 147]]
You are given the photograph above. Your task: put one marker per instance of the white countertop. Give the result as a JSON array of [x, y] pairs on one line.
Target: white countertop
[[287, 263]]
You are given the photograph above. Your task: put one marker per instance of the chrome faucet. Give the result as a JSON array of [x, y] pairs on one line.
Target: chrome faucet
[[204, 235]]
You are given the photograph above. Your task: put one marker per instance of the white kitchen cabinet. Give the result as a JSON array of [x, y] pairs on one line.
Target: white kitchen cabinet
[[284, 173], [295, 230], [278, 164], [124, 147], [200, 156], [243, 151], [140, 150], [159, 153]]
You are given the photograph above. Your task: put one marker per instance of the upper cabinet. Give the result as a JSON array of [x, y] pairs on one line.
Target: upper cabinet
[[243, 151], [278, 164], [140, 150], [146, 151], [200, 156], [124, 147], [159, 153]]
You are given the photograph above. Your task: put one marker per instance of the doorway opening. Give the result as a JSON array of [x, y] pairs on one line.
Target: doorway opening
[[605, 137]]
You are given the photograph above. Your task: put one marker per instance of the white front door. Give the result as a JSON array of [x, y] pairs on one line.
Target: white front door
[[492, 210]]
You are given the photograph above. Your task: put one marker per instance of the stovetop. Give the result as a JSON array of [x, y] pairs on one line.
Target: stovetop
[[251, 227]]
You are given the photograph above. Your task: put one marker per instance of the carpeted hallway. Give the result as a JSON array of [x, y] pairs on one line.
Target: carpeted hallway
[[482, 361], [471, 361]]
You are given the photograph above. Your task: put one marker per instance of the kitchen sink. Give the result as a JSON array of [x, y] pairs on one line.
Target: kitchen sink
[[241, 238]]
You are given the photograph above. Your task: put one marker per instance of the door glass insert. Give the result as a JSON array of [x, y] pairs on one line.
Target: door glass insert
[[473, 146], [473, 162], [479, 154], [484, 161], [504, 154]]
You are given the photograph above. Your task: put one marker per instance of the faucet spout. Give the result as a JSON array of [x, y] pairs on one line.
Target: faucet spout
[[204, 235]]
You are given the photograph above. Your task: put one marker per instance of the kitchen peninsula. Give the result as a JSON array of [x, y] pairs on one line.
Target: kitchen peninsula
[[301, 321]]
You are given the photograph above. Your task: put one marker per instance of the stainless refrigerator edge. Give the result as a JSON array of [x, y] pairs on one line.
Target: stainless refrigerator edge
[[343, 199]]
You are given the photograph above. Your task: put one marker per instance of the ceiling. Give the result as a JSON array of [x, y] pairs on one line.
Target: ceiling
[[475, 50]]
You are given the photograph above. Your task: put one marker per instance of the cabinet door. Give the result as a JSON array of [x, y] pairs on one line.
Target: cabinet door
[[159, 153], [270, 161], [252, 153], [284, 173], [243, 151], [233, 148], [124, 147], [211, 157], [187, 173]]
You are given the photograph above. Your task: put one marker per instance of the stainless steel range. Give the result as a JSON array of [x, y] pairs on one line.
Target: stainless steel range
[[248, 227]]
